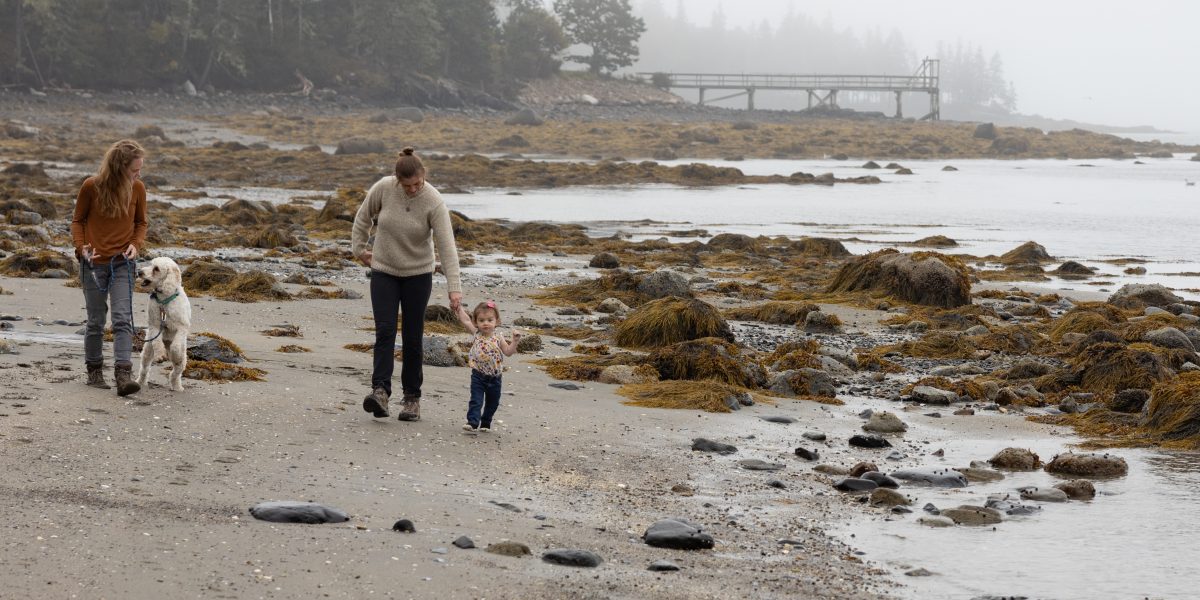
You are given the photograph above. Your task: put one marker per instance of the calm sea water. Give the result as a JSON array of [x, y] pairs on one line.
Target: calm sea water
[[1135, 540], [1084, 210]]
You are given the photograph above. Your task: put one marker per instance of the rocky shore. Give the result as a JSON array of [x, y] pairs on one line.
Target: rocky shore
[[683, 405]]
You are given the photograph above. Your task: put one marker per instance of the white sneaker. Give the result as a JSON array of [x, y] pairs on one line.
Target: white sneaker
[[469, 428], [485, 430]]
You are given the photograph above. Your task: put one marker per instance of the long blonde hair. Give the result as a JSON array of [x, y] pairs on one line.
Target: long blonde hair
[[114, 186]]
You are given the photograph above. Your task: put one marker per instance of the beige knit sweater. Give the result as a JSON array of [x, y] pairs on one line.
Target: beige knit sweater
[[408, 229]]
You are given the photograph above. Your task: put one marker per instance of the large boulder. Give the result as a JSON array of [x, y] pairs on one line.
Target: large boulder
[[525, 116], [820, 247], [1087, 465], [1169, 337], [804, 382], [1016, 459], [985, 131], [664, 283], [440, 351], [1029, 253], [731, 241], [1137, 296], [360, 146], [925, 278]]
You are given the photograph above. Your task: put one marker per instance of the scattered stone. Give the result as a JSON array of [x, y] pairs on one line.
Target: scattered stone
[[882, 496], [683, 489], [973, 515], [775, 483], [936, 521], [807, 454], [778, 419], [1016, 459], [612, 306], [885, 422], [869, 441], [978, 472], [566, 385], [862, 467], [1004, 504], [360, 146], [571, 558], [964, 412], [815, 436], [944, 478], [677, 534], [662, 566], [1078, 489], [707, 445], [404, 526], [922, 572], [834, 470], [1040, 494], [881, 480], [297, 512], [464, 542], [754, 464], [932, 395], [854, 484]]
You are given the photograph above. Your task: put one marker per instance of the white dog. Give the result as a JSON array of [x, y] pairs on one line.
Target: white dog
[[170, 316]]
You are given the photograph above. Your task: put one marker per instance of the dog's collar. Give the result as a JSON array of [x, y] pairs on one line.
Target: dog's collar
[[154, 297]]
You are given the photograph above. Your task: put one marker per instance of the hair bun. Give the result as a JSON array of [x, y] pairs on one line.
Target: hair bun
[[407, 151]]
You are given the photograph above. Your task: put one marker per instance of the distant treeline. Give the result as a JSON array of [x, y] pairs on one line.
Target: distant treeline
[[373, 47], [798, 43]]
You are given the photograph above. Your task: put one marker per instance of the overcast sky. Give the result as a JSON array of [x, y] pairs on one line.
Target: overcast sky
[[1099, 61]]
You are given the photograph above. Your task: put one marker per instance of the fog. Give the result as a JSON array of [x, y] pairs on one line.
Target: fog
[[1100, 61]]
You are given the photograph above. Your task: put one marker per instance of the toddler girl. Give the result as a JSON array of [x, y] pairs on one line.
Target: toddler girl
[[486, 358]]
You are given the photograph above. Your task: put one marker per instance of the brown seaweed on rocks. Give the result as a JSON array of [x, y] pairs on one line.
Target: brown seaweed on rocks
[[708, 396], [669, 321], [920, 278], [708, 359], [1173, 413], [775, 312], [1114, 367]]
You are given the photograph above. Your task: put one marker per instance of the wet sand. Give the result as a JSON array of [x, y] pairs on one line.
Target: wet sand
[[147, 496]]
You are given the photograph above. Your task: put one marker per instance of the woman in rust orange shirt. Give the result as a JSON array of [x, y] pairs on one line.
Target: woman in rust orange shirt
[[109, 230]]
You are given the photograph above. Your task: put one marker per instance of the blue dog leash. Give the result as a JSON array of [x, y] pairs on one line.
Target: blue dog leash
[[131, 264]]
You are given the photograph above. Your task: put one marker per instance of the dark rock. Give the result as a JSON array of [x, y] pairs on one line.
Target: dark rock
[[815, 436], [754, 464], [707, 445], [807, 454], [1129, 401], [944, 478], [662, 566], [869, 441], [880, 479], [297, 512], [604, 260], [1078, 489], [985, 131], [1016, 459], [677, 534], [775, 483], [464, 542], [1087, 465], [565, 385], [204, 348], [862, 467], [571, 558], [778, 419], [404, 526], [854, 484]]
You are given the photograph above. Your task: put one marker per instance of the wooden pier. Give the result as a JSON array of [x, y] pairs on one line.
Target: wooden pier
[[822, 89]]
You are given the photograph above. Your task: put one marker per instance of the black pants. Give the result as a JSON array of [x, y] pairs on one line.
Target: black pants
[[409, 295]]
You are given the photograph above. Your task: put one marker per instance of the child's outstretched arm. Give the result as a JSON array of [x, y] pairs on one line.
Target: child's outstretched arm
[[510, 348], [466, 319]]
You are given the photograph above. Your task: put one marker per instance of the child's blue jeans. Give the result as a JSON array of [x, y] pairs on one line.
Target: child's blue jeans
[[485, 394]]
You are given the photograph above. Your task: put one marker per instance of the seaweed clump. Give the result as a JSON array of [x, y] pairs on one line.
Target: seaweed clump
[[1113, 367], [708, 396], [708, 359], [1173, 413], [774, 312], [669, 321]]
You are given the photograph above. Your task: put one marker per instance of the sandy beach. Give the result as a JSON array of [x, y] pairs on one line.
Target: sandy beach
[[148, 496]]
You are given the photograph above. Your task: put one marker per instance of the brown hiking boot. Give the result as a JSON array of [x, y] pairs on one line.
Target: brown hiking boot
[[125, 383], [376, 403], [96, 376], [411, 409]]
